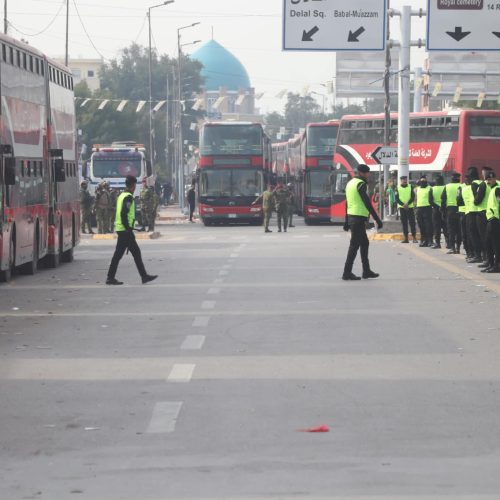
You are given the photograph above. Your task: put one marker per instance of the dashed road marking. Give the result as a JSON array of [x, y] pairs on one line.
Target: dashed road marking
[[201, 321], [213, 291], [218, 281], [224, 272], [193, 342], [234, 256], [208, 304], [227, 266], [181, 373], [164, 419]]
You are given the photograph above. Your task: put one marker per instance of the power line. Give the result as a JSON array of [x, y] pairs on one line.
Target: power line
[[85, 30], [44, 29]]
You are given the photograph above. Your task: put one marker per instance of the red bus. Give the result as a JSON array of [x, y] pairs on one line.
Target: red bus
[[39, 198], [440, 143], [233, 169], [307, 162]]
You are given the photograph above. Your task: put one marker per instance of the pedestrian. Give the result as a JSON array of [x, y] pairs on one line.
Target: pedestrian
[[114, 193], [281, 203], [449, 200], [102, 205], [146, 202], [493, 227], [153, 208], [358, 210], [469, 192], [191, 199], [424, 202], [124, 226], [291, 204], [481, 196], [405, 199], [437, 211], [267, 199], [86, 205]]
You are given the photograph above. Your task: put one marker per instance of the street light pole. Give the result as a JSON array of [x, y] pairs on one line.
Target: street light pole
[[180, 142], [5, 22], [151, 144], [66, 58]]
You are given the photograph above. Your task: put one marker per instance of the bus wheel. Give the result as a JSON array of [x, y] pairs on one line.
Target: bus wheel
[[5, 276], [31, 267]]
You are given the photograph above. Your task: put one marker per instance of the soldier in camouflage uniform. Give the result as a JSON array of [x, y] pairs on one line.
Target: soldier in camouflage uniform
[[155, 201], [291, 204], [267, 198], [102, 206], [112, 209], [146, 203], [282, 196], [85, 208]]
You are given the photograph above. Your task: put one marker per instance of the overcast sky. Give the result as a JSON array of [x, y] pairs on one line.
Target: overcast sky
[[251, 29]]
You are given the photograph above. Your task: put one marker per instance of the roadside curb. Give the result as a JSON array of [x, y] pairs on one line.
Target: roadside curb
[[387, 237]]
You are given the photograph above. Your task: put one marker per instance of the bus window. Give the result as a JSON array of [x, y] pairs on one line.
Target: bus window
[[484, 126]]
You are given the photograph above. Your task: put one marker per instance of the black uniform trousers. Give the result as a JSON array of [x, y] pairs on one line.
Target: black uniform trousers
[[126, 240], [474, 239], [437, 224], [493, 242], [359, 241], [463, 230], [424, 218], [454, 231], [192, 207], [482, 223], [408, 217]]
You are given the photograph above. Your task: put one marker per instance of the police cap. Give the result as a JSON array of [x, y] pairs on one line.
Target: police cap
[[363, 169], [130, 180]]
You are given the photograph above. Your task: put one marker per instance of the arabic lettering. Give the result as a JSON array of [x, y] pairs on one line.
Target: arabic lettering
[[421, 153]]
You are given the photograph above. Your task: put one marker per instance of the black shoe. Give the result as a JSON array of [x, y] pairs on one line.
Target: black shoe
[[450, 252], [415, 240], [351, 277], [484, 265], [268, 231], [148, 278], [486, 269], [91, 232], [492, 270], [113, 281], [475, 260], [424, 244], [285, 230], [279, 230], [436, 246], [370, 274], [405, 241], [291, 225]]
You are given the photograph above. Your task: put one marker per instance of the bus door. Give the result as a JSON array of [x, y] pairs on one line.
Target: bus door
[[7, 180], [339, 179]]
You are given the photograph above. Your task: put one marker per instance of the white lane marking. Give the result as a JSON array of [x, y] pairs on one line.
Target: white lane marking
[[218, 281], [331, 236], [227, 266], [208, 304], [181, 373], [165, 415], [223, 273], [193, 342], [234, 256], [213, 291], [201, 321]]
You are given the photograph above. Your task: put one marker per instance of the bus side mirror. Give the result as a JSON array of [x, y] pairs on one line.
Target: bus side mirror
[[10, 171], [149, 169], [60, 173]]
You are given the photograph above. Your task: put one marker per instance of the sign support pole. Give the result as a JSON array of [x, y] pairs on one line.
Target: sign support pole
[[387, 109], [404, 93]]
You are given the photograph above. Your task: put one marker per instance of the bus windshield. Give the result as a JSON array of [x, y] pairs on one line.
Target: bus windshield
[[321, 141], [232, 140], [116, 167], [485, 126], [231, 182], [318, 184]]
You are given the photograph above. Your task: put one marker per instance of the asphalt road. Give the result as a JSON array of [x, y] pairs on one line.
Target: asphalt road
[[197, 386]]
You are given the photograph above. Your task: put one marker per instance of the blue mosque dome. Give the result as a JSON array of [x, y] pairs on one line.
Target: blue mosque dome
[[221, 68]]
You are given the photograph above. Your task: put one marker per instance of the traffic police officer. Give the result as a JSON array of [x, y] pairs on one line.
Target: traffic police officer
[[359, 208], [405, 198], [449, 200], [473, 239], [493, 227], [438, 223], [424, 211], [124, 226], [481, 196]]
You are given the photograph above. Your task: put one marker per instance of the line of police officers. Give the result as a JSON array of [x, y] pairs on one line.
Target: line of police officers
[[465, 213]]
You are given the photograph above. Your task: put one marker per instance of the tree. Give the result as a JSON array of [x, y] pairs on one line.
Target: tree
[[128, 78], [300, 110]]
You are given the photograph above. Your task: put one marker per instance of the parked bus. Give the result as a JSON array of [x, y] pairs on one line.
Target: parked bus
[[39, 198], [234, 167], [113, 163], [307, 162], [440, 143]]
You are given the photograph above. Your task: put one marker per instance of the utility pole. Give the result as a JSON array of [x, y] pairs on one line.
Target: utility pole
[[5, 22], [387, 109], [151, 154], [66, 57]]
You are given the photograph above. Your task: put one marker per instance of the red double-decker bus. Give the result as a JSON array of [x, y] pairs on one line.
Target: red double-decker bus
[[307, 161], [234, 167], [440, 143], [39, 201]]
